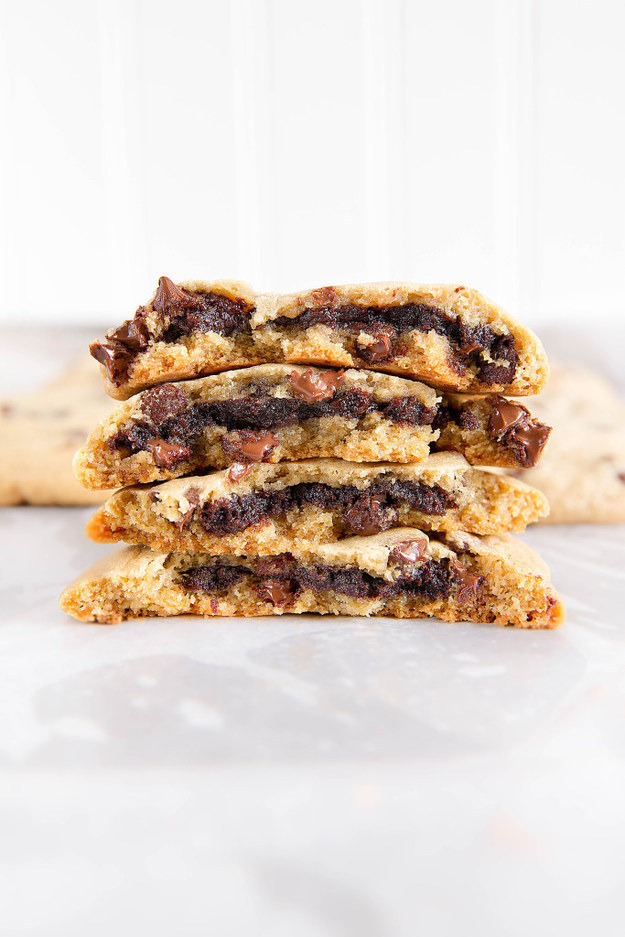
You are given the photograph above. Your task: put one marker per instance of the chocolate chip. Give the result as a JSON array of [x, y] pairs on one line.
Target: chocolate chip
[[531, 440], [409, 551], [621, 477], [311, 387], [513, 426], [168, 294], [276, 591], [237, 472], [166, 454], [380, 349], [247, 446], [133, 334], [114, 358], [167, 400], [504, 415], [466, 583]]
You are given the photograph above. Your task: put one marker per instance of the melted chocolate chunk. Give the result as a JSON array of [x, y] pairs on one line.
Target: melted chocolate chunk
[[380, 349], [471, 344], [238, 471], [115, 358], [167, 455], [512, 425], [276, 591], [183, 312], [133, 334], [246, 446], [409, 551], [311, 387], [359, 511]]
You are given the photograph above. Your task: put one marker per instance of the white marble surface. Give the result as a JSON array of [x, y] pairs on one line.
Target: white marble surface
[[304, 777]]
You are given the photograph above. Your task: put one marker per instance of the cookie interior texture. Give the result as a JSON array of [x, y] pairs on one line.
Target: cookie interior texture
[[449, 335], [265, 508], [277, 412], [402, 573]]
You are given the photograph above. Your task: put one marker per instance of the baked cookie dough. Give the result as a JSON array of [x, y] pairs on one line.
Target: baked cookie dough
[[583, 469], [39, 434], [401, 573], [449, 336], [275, 413], [263, 509]]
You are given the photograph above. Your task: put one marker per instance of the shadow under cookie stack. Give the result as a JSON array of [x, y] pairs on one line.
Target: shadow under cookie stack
[[317, 452]]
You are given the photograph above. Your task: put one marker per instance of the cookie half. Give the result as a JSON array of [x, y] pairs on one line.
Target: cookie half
[[275, 413], [263, 509], [401, 573], [449, 336]]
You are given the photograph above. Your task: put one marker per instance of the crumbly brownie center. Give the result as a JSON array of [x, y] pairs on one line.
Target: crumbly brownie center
[[494, 356], [170, 417], [180, 312], [361, 511], [280, 579]]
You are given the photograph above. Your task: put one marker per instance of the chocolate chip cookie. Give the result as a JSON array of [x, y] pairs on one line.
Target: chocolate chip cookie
[[448, 336], [401, 573], [260, 508], [275, 413]]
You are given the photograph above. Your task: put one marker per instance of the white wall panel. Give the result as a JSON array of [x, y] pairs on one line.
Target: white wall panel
[[581, 146], [292, 144]]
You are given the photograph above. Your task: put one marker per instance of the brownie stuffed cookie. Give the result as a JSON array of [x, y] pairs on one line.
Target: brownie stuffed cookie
[[401, 573], [276, 413], [260, 509], [449, 336]]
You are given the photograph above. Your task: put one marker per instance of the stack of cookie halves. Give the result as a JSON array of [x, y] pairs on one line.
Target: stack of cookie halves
[[317, 452]]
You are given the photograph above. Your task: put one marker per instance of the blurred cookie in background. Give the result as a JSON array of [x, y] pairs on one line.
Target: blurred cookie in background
[[40, 432], [582, 470]]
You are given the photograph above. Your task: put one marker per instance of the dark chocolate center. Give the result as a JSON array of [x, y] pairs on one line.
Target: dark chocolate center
[[472, 344], [359, 511], [431, 579], [257, 411]]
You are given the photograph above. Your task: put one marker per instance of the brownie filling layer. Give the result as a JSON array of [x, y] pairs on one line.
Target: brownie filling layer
[[183, 311], [172, 423], [358, 511], [280, 579], [472, 345]]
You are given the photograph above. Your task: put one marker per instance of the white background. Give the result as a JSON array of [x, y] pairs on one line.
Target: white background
[[292, 144]]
